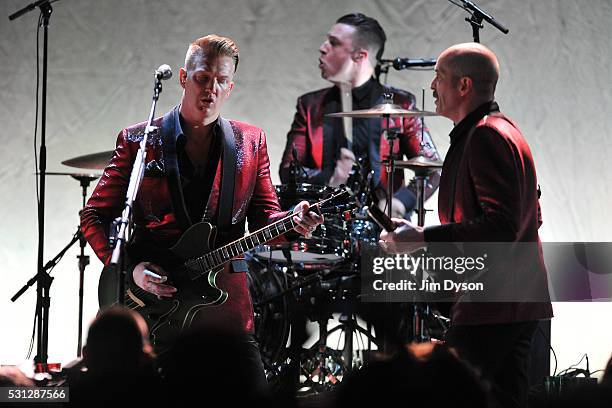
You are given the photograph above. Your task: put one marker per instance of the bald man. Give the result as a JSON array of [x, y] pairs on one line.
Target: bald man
[[488, 193]]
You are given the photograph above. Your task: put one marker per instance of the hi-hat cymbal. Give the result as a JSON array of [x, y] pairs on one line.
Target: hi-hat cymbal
[[418, 163], [90, 161], [383, 110]]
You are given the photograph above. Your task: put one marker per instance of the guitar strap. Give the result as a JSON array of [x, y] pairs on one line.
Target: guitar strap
[[226, 198]]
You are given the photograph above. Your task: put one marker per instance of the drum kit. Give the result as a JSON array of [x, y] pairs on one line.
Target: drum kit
[[310, 278]]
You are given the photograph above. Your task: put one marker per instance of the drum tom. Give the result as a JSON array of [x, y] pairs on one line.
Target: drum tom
[[330, 243], [289, 195]]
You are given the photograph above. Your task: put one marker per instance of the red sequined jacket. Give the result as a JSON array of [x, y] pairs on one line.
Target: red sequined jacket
[[314, 136], [160, 214]]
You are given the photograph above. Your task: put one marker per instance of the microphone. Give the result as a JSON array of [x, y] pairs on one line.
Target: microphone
[[163, 72], [404, 63], [468, 5]]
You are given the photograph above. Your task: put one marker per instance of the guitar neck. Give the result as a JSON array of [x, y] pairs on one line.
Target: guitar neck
[[225, 253]]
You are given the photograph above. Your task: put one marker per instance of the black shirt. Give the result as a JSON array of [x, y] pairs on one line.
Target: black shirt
[[366, 131], [462, 128], [197, 182]]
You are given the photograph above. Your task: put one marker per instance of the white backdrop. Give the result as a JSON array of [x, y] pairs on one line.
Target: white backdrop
[[555, 81]]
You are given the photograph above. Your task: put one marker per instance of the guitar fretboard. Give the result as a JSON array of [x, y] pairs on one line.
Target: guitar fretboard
[[225, 253]]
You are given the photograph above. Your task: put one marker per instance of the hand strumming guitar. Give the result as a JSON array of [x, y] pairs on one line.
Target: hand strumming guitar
[[150, 283]]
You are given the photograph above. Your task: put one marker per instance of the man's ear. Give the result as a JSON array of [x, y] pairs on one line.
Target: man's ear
[[229, 88], [182, 77], [465, 85], [360, 55]]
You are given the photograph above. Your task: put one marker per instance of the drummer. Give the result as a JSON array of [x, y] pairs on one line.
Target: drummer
[[318, 144]]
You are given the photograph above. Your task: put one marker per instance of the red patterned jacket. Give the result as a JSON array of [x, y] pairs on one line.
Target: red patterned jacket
[[160, 213]]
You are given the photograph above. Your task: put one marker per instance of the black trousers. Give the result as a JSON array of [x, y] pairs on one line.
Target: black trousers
[[501, 352], [224, 366], [254, 365]]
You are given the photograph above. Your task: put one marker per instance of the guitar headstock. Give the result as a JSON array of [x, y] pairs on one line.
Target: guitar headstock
[[339, 201]]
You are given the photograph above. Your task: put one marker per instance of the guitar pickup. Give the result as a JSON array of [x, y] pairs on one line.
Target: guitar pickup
[[195, 273]]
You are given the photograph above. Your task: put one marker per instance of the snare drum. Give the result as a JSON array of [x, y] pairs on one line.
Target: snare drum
[[296, 253]]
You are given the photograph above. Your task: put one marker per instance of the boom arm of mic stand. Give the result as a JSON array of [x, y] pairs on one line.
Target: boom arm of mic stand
[[49, 265], [30, 7]]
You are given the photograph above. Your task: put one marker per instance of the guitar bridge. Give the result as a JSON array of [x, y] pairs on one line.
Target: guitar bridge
[[133, 297]]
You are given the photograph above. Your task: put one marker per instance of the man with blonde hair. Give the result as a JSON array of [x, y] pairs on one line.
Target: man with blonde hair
[[183, 184]]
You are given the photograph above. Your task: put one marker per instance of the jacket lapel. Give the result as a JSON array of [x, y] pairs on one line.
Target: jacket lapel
[[168, 136], [212, 206]]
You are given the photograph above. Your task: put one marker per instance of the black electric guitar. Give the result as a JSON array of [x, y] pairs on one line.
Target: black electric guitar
[[194, 274]]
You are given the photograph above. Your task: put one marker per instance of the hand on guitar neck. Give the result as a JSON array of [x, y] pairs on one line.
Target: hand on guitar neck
[[306, 220]]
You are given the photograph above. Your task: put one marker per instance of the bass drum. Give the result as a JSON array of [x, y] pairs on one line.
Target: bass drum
[[267, 282]]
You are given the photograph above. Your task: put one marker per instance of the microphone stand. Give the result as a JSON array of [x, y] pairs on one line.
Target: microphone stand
[[43, 301], [83, 262], [477, 15], [118, 241]]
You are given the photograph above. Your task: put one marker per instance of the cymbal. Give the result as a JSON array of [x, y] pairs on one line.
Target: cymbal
[[418, 163], [382, 110], [78, 176], [90, 161]]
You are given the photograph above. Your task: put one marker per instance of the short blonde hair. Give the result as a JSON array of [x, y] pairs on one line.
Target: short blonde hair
[[211, 45]]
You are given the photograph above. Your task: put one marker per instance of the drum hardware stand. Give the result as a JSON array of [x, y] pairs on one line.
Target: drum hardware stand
[[417, 316], [420, 310], [390, 161], [83, 262], [296, 169], [328, 362], [349, 326], [322, 355]]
